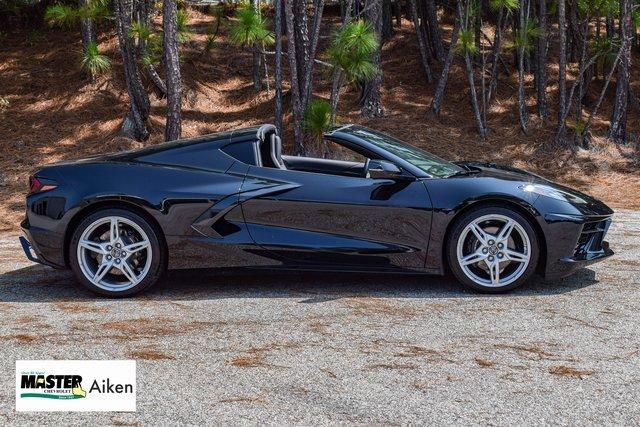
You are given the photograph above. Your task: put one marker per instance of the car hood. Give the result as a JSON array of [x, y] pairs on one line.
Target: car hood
[[583, 202]]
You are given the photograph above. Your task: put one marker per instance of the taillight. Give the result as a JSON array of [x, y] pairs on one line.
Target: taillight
[[36, 185]]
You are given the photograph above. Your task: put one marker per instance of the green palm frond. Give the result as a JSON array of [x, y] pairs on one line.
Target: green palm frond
[[351, 49], [94, 9], [139, 30], [93, 61], [508, 5], [61, 15], [153, 53], [603, 50], [523, 37], [182, 21], [466, 42], [317, 118], [250, 28]]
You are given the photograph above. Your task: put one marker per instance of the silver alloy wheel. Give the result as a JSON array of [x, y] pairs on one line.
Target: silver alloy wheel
[[493, 250], [114, 253]]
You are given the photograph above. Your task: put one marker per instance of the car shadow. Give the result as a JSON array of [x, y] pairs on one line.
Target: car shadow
[[42, 284]]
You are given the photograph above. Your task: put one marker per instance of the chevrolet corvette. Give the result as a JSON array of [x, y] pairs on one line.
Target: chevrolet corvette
[[370, 203]]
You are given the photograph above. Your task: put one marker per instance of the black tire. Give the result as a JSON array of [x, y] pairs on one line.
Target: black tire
[[458, 228], [158, 259]]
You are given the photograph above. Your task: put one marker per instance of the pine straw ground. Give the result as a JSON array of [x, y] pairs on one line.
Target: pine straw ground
[[55, 113]]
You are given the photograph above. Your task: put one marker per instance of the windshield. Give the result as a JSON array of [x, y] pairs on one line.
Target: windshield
[[433, 165]]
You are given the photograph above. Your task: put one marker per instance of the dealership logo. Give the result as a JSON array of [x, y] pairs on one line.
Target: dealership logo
[[68, 385], [52, 386]]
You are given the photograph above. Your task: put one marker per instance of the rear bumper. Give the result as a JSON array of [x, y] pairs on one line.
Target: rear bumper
[[32, 250]]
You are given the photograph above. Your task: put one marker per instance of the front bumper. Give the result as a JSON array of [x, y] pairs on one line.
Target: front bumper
[[585, 246]]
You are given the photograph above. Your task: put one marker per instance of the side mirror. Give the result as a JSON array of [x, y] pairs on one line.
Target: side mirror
[[382, 169]]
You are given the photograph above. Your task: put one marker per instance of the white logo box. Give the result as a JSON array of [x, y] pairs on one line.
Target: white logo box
[[76, 385]]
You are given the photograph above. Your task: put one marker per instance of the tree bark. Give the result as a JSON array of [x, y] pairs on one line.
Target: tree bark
[[522, 102], [256, 59], [472, 87], [434, 29], [372, 100], [541, 59], [424, 54], [88, 34], [173, 129], [562, 69], [313, 44], [278, 66], [618, 129], [298, 112], [134, 124], [438, 96], [495, 53]]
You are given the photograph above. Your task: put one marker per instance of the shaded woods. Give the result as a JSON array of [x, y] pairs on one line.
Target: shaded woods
[[545, 85]]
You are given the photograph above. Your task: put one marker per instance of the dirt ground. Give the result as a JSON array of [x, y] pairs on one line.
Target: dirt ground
[[54, 113], [327, 349]]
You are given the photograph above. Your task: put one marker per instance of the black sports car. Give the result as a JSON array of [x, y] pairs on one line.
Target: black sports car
[[371, 204]]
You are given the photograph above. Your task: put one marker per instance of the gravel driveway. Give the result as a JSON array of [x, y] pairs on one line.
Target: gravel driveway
[[323, 349]]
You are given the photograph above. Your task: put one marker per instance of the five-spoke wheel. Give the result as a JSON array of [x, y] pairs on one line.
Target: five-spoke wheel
[[116, 252], [492, 249]]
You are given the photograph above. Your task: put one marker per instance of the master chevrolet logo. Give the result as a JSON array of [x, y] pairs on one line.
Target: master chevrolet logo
[[52, 386], [75, 385]]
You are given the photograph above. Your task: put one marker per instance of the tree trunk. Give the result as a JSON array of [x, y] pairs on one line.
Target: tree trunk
[[497, 44], [171, 59], [145, 9], [562, 69], [134, 124], [618, 129], [438, 96], [256, 57], [307, 83], [522, 102], [541, 59], [424, 55], [386, 29], [372, 102], [434, 29], [472, 87], [298, 113], [88, 34], [278, 66]]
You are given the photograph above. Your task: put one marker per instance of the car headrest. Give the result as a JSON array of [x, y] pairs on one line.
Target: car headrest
[[276, 151]]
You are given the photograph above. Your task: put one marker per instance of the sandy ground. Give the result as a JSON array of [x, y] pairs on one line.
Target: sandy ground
[[322, 349]]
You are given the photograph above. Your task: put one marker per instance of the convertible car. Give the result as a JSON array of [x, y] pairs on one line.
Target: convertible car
[[371, 204]]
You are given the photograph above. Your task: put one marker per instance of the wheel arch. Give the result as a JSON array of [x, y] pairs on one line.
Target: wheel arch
[[103, 204], [526, 210]]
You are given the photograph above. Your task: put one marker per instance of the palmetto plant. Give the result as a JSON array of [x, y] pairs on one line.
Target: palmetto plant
[[317, 120], [250, 29], [466, 42], [61, 15], [350, 53], [184, 33], [351, 49], [523, 37], [93, 62]]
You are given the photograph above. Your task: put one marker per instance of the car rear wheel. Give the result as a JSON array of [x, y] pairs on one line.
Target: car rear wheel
[[493, 249], [115, 252]]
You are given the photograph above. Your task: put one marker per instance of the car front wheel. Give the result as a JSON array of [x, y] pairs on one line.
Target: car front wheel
[[493, 249], [115, 252]]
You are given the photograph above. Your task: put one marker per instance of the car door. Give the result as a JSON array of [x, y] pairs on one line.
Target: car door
[[316, 218]]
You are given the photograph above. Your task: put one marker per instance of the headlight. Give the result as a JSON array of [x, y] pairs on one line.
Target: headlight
[[554, 193]]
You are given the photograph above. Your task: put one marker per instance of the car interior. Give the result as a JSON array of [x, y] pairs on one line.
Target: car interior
[[266, 152]]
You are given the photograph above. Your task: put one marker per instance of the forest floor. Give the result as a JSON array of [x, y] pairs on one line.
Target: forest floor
[[55, 113]]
